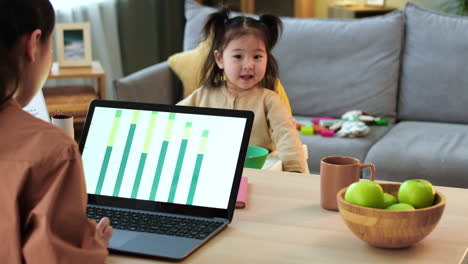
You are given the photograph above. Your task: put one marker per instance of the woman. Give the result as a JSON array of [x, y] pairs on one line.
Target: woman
[[42, 189]]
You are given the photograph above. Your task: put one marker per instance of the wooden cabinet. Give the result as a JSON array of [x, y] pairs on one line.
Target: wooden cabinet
[[357, 11], [74, 99]]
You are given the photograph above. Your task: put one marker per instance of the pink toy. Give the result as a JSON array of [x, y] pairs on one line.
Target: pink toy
[[327, 133], [317, 120]]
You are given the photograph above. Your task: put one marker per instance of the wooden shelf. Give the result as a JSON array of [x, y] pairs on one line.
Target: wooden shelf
[[74, 99], [93, 71], [302, 8], [357, 11]]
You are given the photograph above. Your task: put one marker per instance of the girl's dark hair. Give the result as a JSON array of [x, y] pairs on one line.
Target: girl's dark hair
[[222, 29], [18, 18]]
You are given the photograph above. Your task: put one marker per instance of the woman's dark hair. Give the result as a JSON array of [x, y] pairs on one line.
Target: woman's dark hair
[[222, 29], [18, 18]]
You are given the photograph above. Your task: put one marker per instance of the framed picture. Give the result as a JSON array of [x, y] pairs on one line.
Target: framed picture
[[73, 44]]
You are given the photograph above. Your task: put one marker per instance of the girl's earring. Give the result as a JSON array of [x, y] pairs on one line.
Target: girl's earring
[[223, 78]]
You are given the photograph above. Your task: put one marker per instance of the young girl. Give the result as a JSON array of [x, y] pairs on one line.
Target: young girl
[[42, 190], [240, 73]]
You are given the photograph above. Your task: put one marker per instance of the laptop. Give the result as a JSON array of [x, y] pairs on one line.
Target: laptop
[[167, 176]]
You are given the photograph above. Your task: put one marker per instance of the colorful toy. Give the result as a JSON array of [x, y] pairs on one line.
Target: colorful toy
[[380, 122], [298, 126], [352, 124], [307, 130], [316, 121], [327, 133], [318, 128], [328, 122]]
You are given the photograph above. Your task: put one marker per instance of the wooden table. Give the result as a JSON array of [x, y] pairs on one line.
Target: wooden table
[[284, 223]]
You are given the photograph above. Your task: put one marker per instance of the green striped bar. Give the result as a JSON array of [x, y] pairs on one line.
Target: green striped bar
[[110, 144], [128, 145], [162, 157], [144, 154], [180, 161], [196, 171]]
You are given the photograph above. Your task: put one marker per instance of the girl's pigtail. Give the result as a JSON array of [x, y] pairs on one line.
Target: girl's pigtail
[[215, 24], [214, 29], [274, 27]]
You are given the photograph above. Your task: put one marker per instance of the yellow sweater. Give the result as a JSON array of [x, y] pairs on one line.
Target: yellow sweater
[[273, 124]]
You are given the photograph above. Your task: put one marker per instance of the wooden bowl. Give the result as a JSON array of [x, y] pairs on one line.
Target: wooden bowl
[[387, 228]]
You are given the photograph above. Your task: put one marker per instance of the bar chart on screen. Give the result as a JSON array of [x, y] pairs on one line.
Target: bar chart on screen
[[162, 156]]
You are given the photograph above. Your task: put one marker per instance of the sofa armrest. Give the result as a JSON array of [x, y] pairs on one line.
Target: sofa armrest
[[154, 84]]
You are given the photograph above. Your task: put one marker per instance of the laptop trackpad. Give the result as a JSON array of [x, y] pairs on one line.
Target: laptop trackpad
[[152, 244]]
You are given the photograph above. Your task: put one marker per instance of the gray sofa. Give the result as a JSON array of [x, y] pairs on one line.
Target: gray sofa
[[409, 67]]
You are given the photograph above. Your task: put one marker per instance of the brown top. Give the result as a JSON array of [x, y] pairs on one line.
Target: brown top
[[273, 124], [42, 195]]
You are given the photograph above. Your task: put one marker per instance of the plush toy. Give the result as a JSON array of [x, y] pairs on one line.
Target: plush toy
[[353, 124], [353, 129]]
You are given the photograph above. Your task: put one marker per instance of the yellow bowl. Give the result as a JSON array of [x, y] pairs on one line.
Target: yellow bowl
[[387, 228]]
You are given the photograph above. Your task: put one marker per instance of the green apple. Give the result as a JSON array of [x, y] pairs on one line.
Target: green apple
[[365, 193], [389, 200], [417, 192], [400, 207]]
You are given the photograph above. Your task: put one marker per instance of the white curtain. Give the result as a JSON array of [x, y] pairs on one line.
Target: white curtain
[[102, 16]]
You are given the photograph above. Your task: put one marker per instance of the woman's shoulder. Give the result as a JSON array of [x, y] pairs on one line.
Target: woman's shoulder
[[53, 139], [33, 138]]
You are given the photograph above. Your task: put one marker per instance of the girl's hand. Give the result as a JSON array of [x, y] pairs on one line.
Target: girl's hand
[[104, 232]]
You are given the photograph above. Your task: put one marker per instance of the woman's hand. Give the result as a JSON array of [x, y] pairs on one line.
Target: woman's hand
[[104, 231]]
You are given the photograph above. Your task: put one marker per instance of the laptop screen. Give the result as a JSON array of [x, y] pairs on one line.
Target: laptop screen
[[180, 158]]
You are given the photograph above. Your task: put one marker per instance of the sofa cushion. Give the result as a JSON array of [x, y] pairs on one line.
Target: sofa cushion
[[332, 66], [154, 84], [195, 16], [328, 66], [434, 151], [434, 77], [446, 6], [187, 66], [320, 147]]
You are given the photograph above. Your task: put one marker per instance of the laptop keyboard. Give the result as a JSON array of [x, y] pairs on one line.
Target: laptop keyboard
[[152, 223]]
